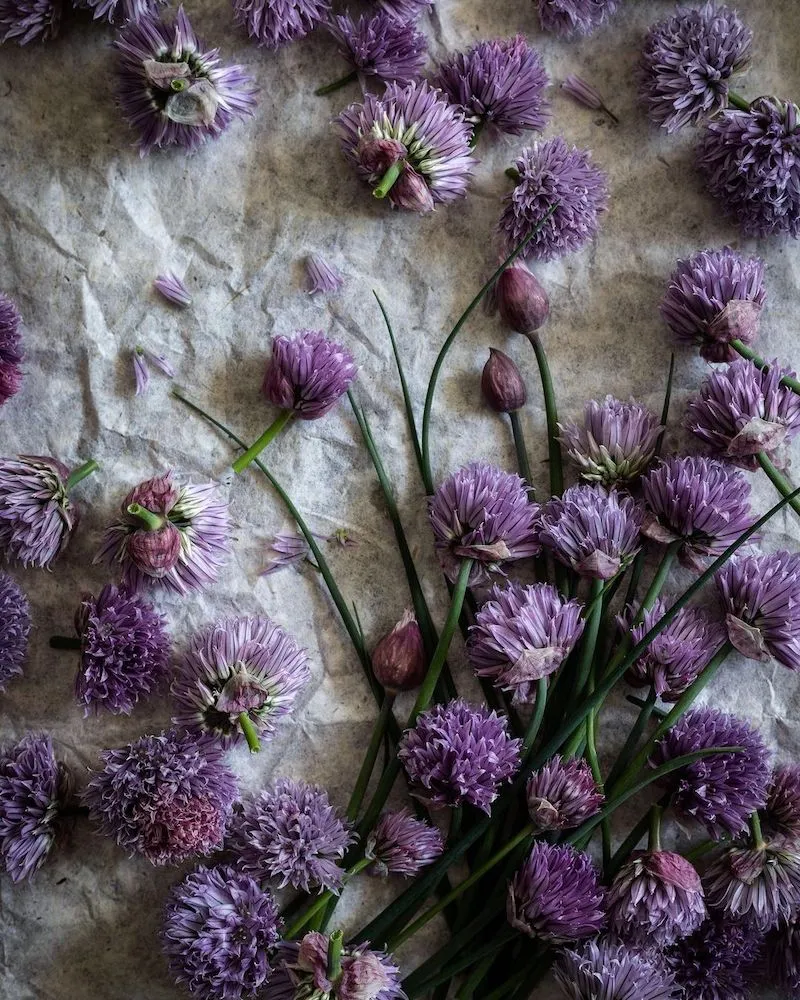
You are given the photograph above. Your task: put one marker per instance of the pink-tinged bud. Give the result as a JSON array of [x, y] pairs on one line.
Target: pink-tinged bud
[[155, 552], [157, 494], [501, 383], [411, 192], [377, 155], [398, 660], [521, 301]]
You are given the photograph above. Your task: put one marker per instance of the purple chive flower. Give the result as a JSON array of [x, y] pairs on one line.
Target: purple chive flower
[[458, 753], [616, 442], [412, 131], [322, 276], [220, 930], [125, 651], [34, 787], [556, 895], [750, 161], [575, 17], [24, 21], [286, 550], [364, 975], [173, 289], [714, 297], [552, 173], [701, 501], [687, 62], [240, 667], [742, 410], [173, 91], [563, 794], [308, 374], [170, 536], [594, 531], [140, 371], [782, 956], [380, 48], [603, 970], [400, 844], [499, 83], [292, 833], [15, 629], [166, 797], [273, 23], [722, 790], [761, 595], [716, 961], [759, 884], [782, 814], [523, 634], [405, 10], [11, 355], [484, 514], [584, 93], [128, 10]]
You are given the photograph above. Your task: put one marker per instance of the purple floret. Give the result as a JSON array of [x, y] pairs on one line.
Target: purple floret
[[607, 970], [575, 17], [400, 844], [272, 23], [24, 21], [37, 517], [15, 629], [562, 794], [308, 374], [11, 355], [380, 48]]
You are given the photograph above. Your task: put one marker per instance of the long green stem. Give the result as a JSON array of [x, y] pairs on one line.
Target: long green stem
[[589, 641], [371, 755], [759, 362], [665, 407], [632, 742], [389, 179], [594, 764], [81, 473], [659, 579], [266, 438], [622, 853], [415, 985], [737, 101], [755, 832], [322, 901], [329, 88], [523, 462], [654, 837], [778, 480], [551, 416]]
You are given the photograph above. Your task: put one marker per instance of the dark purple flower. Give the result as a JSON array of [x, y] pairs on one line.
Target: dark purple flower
[[499, 83], [698, 500], [11, 355], [15, 629], [23, 21], [782, 957], [172, 90], [364, 974], [556, 895], [563, 794], [173, 289], [719, 791], [165, 797], [758, 884], [459, 753], [550, 173], [125, 651], [219, 933], [751, 164], [405, 10], [715, 962], [322, 276], [292, 833], [523, 634], [129, 10], [399, 662], [380, 48], [782, 814], [400, 844], [604, 970], [484, 514], [575, 17], [761, 595], [594, 531], [273, 23], [308, 374], [714, 297]]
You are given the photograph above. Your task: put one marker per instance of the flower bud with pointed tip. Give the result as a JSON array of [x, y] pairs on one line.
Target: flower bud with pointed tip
[[155, 552], [398, 660], [501, 383], [521, 301], [411, 192]]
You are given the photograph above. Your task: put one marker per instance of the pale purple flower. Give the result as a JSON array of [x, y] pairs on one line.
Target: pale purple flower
[[322, 276], [173, 289], [751, 164], [364, 975], [552, 173], [166, 797], [485, 514], [15, 629], [499, 83], [405, 10], [128, 10], [286, 550], [172, 90], [782, 812], [605, 970], [782, 957], [556, 895], [273, 23], [459, 754], [562, 794], [140, 371], [584, 93], [24, 21], [759, 884], [716, 962], [220, 931], [308, 374], [400, 844], [11, 355], [592, 530], [380, 48], [575, 17], [522, 634]]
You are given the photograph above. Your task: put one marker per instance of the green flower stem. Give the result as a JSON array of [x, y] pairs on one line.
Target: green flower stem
[[505, 991], [551, 415], [700, 850], [343, 81], [368, 765], [755, 832], [537, 717], [65, 642], [322, 901], [778, 480], [750, 354], [414, 985], [475, 978], [523, 463], [736, 101], [659, 579], [632, 742], [654, 834], [266, 438], [513, 174], [591, 629], [81, 473], [389, 179], [665, 407], [597, 774], [150, 521], [250, 732], [620, 856], [335, 944], [477, 128]]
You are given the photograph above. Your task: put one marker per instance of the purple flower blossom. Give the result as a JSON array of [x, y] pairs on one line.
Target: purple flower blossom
[[556, 896], [130, 10], [23, 21], [553, 174], [499, 83], [782, 956], [173, 91], [584, 93], [761, 595], [715, 962], [273, 23], [484, 514], [594, 531], [701, 501], [782, 814], [173, 289], [603, 970], [380, 48], [220, 930], [308, 374], [459, 753], [364, 974], [11, 355], [166, 797], [405, 10], [415, 131], [292, 833], [34, 787], [751, 162], [523, 634], [286, 550], [563, 794], [759, 884], [400, 844], [322, 276], [575, 17], [15, 629], [719, 791]]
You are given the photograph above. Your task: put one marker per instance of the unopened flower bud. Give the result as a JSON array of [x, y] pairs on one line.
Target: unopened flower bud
[[398, 660], [501, 383], [521, 301], [411, 192], [377, 155], [155, 552]]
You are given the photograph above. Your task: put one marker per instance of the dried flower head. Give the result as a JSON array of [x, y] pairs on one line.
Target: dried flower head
[[398, 660], [563, 794], [273, 23], [575, 17], [782, 813], [24, 21], [11, 355], [521, 300], [782, 957], [308, 374], [715, 962], [400, 844], [362, 974], [760, 884], [380, 48], [15, 629], [605, 970], [322, 276], [172, 288]]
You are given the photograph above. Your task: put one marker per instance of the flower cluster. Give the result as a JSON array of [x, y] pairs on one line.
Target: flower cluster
[[11, 355], [37, 516], [15, 626]]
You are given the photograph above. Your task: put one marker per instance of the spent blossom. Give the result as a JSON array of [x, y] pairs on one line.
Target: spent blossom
[[760, 883], [399, 662], [15, 629], [562, 794]]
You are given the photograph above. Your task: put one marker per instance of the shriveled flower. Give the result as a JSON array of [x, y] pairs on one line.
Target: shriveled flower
[[760, 884], [616, 442], [556, 895], [405, 10], [409, 144], [363, 974], [166, 797], [563, 794], [173, 289], [782, 813], [715, 963], [172, 90], [722, 790], [584, 93], [400, 844], [286, 550], [604, 970], [123, 10], [15, 629], [482, 513], [761, 595], [743, 410], [591, 529], [24, 21], [714, 297], [308, 374], [273, 23], [522, 634], [219, 933], [782, 956], [499, 83], [291, 833], [322, 276], [687, 62], [380, 48], [11, 355], [34, 787], [699, 501], [751, 163], [459, 754], [575, 17]]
